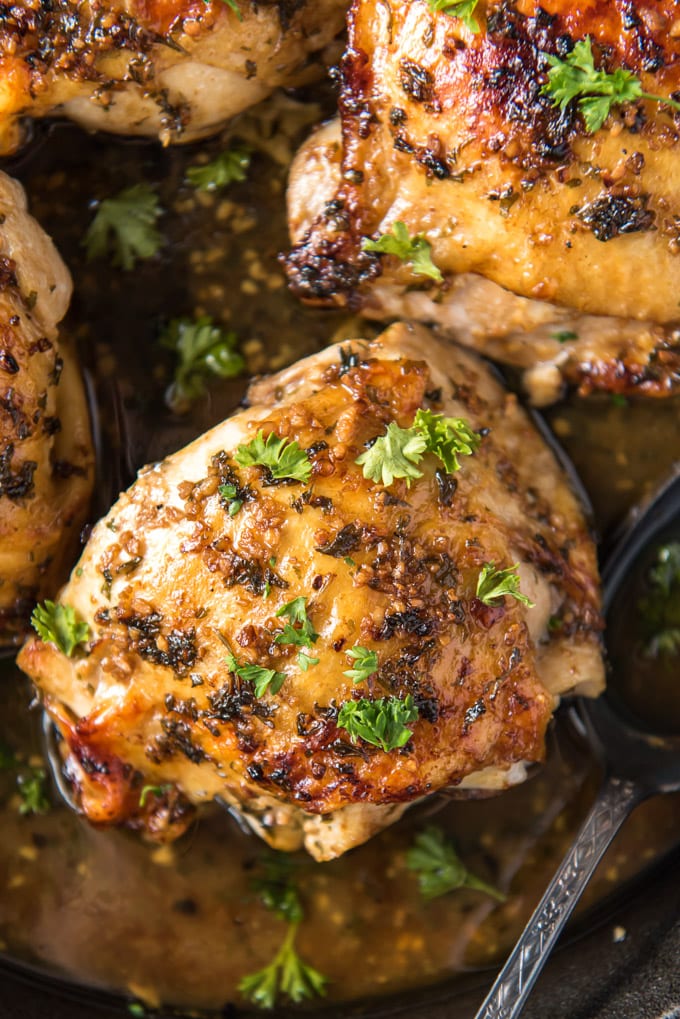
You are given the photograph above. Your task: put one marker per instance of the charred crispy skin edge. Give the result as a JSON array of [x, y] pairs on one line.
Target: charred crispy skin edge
[[327, 265]]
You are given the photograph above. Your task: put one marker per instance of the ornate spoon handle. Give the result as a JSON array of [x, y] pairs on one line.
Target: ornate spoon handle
[[615, 801]]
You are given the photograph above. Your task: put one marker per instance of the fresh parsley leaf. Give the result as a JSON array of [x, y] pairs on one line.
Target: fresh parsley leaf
[[576, 79], [274, 884], [125, 227], [414, 250], [57, 624], [394, 455], [464, 10], [440, 869], [262, 680], [284, 460], [287, 975], [493, 584], [298, 630], [447, 438], [152, 790], [136, 1009], [203, 350], [228, 167], [381, 722], [366, 663], [305, 661], [564, 335], [229, 493], [32, 786]]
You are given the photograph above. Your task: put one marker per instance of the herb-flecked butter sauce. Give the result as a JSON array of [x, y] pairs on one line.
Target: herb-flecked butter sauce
[[180, 924]]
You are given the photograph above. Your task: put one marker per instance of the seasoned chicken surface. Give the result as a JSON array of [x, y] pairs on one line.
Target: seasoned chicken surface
[[45, 447], [449, 132], [176, 69], [181, 589]]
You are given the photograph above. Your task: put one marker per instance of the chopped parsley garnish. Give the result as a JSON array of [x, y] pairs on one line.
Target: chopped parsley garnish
[[440, 869], [152, 790], [298, 630], [396, 453], [32, 786], [57, 624], [447, 438], [286, 975], [564, 336], [229, 167], [365, 663], [414, 250], [230, 495], [203, 350], [381, 722], [125, 227], [275, 886], [660, 606], [234, 7], [305, 661], [284, 460], [464, 9], [576, 79], [493, 584], [136, 1009], [262, 680]]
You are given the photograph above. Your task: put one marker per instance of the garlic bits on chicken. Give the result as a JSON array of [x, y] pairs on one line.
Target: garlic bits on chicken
[[372, 584]]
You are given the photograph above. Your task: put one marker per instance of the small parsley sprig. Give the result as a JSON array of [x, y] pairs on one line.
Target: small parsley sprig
[[417, 251], [263, 680], [203, 350], [659, 607], [32, 786], [299, 630], [365, 663], [284, 460], [58, 624], [287, 975], [576, 79], [125, 227], [381, 722], [396, 453], [493, 584], [229, 167], [462, 9], [440, 869]]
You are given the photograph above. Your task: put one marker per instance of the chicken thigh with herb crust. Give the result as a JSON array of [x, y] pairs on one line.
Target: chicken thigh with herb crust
[[547, 228], [45, 446], [176, 69], [372, 584]]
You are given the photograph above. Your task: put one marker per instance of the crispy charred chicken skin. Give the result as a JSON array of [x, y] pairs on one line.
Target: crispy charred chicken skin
[[190, 580], [46, 456], [176, 69], [547, 234]]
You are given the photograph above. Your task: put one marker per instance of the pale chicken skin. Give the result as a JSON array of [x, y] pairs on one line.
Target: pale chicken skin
[[46, 458], [173, 69], [449, 132], [171, 583]]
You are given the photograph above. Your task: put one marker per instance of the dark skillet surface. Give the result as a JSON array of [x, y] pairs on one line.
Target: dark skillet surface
[[593, 978]]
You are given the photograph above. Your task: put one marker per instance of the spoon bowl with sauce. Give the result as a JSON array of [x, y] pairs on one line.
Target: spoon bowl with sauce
[[634, 728]]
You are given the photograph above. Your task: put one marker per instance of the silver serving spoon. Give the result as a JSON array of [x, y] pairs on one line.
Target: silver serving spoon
[[638, 764]]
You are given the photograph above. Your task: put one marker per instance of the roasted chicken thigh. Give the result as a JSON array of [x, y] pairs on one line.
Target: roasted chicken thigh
[[176, 69], [546, 231], [311, 646], [45, 446]]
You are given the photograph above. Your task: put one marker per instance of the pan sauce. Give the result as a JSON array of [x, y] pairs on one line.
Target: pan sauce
[[180, 923]]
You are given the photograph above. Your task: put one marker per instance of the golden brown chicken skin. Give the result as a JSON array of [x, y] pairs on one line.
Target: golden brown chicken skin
[[176, 69], [449, 132], [46, 460], [171, 582]]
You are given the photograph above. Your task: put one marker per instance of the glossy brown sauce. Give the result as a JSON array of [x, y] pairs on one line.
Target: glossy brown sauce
[[180, 924]]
